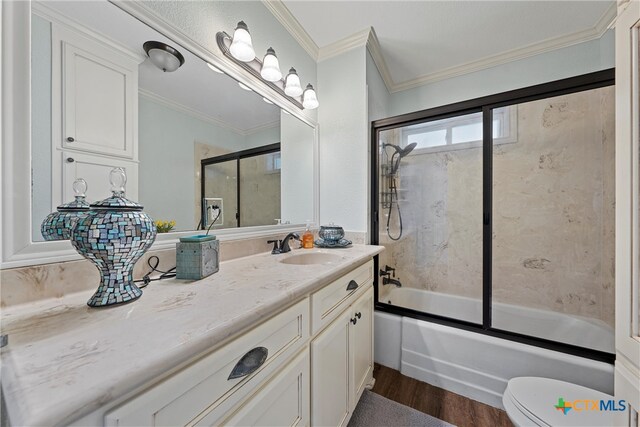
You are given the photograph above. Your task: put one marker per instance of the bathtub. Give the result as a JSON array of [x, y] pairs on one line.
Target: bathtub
[[479, 366]]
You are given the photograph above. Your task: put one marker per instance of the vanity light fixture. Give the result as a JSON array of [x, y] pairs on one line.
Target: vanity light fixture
[[241, 47], [309, 98], [163, 56], [292, 85], [271, 67], [239, 50], [214, 68]]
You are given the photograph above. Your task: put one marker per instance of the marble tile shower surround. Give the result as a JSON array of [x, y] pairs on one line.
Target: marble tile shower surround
[[553, 212], [30, 284]]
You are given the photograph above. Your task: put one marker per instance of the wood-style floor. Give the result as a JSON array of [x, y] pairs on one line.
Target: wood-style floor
[[440, 403]]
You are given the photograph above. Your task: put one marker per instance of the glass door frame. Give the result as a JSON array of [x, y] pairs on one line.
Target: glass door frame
[[235, 156], [485, 105]]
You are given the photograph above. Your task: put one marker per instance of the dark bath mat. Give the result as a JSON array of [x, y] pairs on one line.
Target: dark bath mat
[[375, 410]]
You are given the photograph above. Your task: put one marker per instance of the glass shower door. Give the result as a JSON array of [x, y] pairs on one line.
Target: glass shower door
[[430, 217]]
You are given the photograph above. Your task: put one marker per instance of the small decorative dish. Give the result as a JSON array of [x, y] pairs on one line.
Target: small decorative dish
[[332, 244]]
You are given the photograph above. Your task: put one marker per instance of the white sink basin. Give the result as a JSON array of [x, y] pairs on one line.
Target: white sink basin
[[311, 258]]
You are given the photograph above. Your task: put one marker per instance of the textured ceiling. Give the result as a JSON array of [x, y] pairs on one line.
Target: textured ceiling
[[419, 38]]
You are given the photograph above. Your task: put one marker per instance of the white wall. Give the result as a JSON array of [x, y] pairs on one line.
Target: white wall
[[379, 99], [343, 140], [296, 180], [166, 150], [570, 61]]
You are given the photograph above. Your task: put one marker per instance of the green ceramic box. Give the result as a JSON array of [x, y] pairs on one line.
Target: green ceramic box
[[197, 257]]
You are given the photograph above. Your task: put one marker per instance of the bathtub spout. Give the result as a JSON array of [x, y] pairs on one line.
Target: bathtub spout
[[390, 281]]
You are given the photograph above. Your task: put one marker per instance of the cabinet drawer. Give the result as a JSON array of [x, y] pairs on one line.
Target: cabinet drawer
[[206, 387], [284, 401], [328, 302]]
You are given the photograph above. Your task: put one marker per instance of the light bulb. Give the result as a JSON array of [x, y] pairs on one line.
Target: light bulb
[[292, 85], [241, 47], [309, 98], [270, 67]]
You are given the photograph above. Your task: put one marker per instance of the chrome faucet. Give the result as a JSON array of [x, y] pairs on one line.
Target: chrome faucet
[[284, 243], [390, 281]]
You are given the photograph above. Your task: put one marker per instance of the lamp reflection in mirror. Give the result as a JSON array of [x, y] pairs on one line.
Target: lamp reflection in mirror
[[271, 67], [241, 47], [292, 85], [163, 56], [309, 98]]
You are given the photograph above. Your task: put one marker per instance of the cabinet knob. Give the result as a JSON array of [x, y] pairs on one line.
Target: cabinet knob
[[354, 320], [352, 285], [70, 160], [70, 139], [359, 315]]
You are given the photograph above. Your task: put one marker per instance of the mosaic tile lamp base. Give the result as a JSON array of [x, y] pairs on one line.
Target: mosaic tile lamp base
[[114, 235]]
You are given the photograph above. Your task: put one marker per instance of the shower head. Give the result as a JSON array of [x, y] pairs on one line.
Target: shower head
[[402, 152]]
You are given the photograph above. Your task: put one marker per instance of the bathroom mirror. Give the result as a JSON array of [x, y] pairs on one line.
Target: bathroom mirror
[[28, 170], [98, 102]]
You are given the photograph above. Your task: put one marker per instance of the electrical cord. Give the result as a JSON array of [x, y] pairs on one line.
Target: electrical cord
[[215, 219], [146, 279]]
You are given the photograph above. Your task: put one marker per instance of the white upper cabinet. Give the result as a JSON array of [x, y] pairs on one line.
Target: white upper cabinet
[[98, 95], [627, 369]]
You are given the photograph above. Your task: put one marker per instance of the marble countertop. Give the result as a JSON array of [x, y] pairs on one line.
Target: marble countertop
[[65, 360]]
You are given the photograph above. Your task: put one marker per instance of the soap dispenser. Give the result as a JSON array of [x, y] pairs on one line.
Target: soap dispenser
[[307, 238]]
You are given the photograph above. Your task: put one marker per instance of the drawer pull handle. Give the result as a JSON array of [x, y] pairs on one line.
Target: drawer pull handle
[[249, 363], [70, 139], [352, 285]]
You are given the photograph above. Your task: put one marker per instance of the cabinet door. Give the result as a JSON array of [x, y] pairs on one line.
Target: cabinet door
[[99, 99], [330, 374], [282, 402], [95, 170], [361, 345]]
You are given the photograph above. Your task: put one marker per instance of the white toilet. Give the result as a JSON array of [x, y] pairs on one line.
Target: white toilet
[[532, 401]]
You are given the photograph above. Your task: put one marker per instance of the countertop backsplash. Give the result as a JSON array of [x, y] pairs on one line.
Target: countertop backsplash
[[28, 284]]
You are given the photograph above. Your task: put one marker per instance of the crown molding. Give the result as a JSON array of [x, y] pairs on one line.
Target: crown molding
[[291, 24], [605, 22], [341, 46], [373, 45], [262, 127]]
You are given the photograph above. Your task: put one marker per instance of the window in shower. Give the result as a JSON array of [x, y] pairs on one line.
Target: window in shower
[[244, 185], [497, 215], [461, 132]]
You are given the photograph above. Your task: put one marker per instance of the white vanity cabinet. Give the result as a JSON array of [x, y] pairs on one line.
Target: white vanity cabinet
[[94, 111], [342, 354], [98, 94], [208, 390], [290, 376]]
